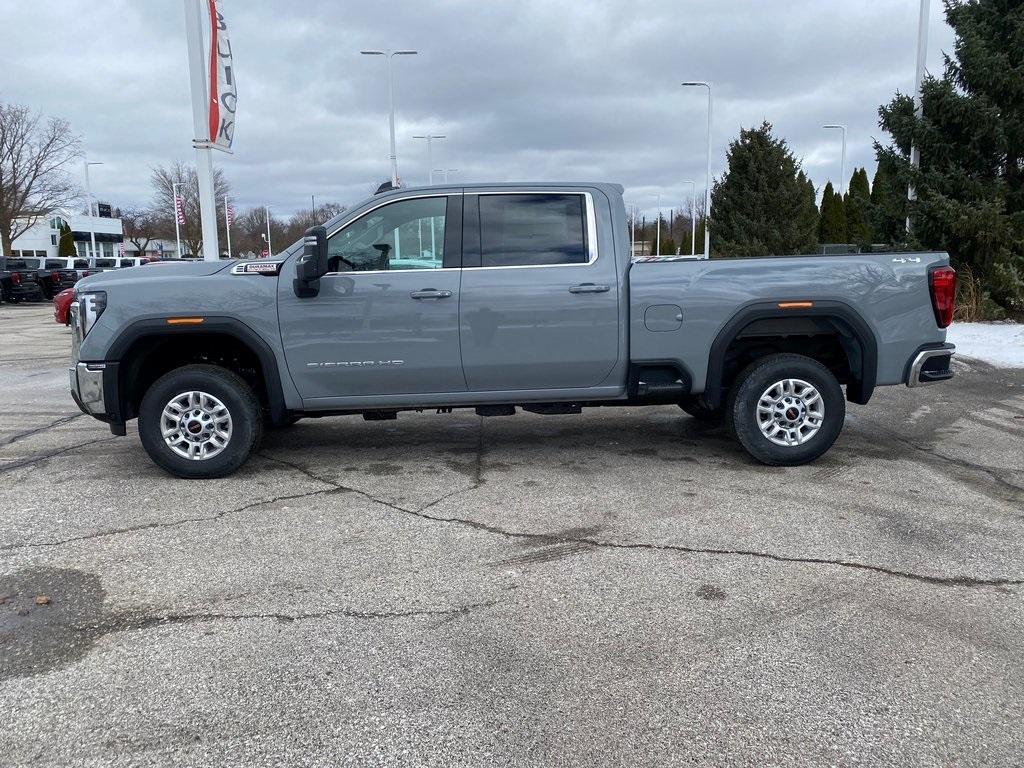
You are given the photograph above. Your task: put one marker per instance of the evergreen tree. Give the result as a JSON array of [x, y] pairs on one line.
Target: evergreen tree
[[833, 217], [858, 210], [812, 217], [888, 206], [970, 186], [759, 205], [66, 243]]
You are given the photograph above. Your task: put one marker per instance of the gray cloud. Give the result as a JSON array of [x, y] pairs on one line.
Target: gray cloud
[[528, 90]]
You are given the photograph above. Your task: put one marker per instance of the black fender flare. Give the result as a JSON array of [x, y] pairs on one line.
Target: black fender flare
[[228, 326], [855, 334]]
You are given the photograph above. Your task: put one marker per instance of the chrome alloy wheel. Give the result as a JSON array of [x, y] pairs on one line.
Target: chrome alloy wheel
[[790, 412], [196, 425]]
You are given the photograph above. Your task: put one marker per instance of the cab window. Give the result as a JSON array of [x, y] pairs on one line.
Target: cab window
[[408, 234]]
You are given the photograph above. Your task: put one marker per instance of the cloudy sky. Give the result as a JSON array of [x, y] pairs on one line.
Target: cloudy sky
[[523, 89]]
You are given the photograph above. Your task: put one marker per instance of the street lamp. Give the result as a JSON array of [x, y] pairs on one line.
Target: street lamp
[[922, 58], [693, 216], [88, 192], [707, 192], [389, 54], [430, 155], [842, 176]]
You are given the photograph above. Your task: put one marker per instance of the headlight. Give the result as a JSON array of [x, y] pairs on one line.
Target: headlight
[[90, 307]]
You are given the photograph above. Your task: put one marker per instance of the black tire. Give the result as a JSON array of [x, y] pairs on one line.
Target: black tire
[[755, 380], [698, 408], [226, 386]]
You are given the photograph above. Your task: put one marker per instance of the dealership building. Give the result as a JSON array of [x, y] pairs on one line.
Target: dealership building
[[42, 239]]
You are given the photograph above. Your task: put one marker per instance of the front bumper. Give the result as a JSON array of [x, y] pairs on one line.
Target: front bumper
[[930, 366], [86, 382]]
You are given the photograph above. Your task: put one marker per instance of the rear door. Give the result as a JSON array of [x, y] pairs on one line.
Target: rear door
[[539, 306], [386, 319]]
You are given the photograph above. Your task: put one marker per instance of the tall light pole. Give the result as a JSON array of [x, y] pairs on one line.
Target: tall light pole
[[430, 154], [922, 60], [227, 223], [707, 192], [693, 216], [389, 54], [88, 193], [632, 232], [177, 223], [842, 173]]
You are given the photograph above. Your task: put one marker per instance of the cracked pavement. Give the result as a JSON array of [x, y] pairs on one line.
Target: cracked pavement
[[621, 587]]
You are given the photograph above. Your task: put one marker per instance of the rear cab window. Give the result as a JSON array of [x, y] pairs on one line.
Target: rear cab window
[[532, 230]]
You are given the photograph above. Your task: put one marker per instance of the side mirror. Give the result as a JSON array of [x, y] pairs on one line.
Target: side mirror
[[312, 264]]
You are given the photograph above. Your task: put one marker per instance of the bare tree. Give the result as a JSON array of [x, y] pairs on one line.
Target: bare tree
[[140, 226], [34, 154], [163, 180], [302, 220]]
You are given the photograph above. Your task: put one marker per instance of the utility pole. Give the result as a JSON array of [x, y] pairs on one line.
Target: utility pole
[[658, 229], [388, 55], [266, 212], [922, 60], [707, 191], [430, 155]]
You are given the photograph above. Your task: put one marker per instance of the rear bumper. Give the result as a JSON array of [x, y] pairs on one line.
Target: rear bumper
[[930, 366]]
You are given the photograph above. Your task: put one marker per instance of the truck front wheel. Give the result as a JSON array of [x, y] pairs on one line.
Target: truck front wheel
[[786, 410], [200, 421]]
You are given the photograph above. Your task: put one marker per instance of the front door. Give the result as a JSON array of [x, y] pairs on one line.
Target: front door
[[539, 304], [386, 319]]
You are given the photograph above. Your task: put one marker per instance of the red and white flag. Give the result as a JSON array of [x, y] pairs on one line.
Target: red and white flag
[[223, 94], [179, 210], [120, 248], [229, 214]]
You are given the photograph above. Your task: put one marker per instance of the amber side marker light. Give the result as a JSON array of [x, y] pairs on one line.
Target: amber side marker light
[[185, 320], [796, 304]]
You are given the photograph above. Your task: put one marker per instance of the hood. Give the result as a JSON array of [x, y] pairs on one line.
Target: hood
[[155, 270]]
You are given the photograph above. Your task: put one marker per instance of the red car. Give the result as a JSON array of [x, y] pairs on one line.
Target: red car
[[61, 304]]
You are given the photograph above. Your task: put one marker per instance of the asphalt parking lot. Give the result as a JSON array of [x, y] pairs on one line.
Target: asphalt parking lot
[[623, 587]]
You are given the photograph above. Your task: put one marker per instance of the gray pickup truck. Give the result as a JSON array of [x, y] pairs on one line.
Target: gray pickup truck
[[495, 297]]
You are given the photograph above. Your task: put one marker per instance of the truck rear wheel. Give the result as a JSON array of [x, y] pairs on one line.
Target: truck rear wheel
[[200, 421], [786, 410]]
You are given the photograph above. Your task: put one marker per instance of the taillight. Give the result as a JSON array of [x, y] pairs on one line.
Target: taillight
[[942, 281], [15, 278], [55, 278]]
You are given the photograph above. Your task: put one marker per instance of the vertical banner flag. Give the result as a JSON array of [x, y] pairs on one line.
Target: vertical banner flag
[[179, 210], [120, 249], [230, 214], [223, 95]]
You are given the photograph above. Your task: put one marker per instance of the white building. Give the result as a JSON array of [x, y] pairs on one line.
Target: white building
[[42, 239]]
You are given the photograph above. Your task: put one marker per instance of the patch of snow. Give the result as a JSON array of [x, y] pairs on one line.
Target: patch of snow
[[998, 344]]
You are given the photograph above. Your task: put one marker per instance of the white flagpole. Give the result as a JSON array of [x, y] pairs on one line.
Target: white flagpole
[[227, 224], [177, 224], [200, 118]]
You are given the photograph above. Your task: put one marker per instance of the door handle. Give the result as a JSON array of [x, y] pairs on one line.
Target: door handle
[[430, 293], [589, 288]]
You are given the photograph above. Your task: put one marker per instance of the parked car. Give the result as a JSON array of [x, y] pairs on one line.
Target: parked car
[[62, 304], [102, 263], [131, 261], [51, 274], [77, 263], [507, 297], [18, 282]]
